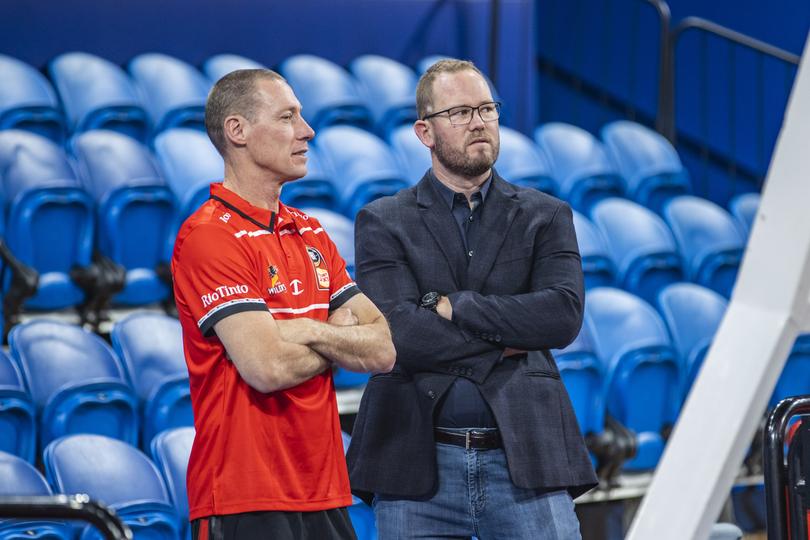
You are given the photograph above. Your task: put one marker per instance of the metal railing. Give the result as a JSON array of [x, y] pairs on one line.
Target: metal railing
[[66, 507]]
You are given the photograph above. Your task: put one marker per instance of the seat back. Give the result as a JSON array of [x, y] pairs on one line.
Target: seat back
[[641, 367], [19, 478], [579, 164], [641, 246], [362, 164], [171, 450], [647, 161], [174, 92], [710, 245], [584, 377], [118, 475], [316, 189], [136, 210], [97, 94], [17, 412], [28, 101], [340, 229], [41, 189], [521, 162], [328, 93], [597, 265], [190, 163], [151, 348], [220, 65], [389, 89], [75, 380], [414, 157], [744, 209], [692, 313]]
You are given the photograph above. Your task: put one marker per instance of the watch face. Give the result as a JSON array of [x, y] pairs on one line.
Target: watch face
[[430, 300]]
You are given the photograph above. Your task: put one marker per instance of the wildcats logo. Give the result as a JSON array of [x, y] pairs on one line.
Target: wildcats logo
[[275, 286], [321, 272]]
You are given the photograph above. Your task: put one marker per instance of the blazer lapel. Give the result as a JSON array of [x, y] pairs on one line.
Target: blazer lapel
[[500, 209], [439, 221]]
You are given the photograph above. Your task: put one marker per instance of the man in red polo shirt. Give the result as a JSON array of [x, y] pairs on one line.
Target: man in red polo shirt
[[267, 307]]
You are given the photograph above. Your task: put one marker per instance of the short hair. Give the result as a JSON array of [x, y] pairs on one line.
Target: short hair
[[424, 89], [235, 93]]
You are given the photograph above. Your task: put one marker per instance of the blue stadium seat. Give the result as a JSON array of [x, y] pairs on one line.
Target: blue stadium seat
[[174, 92], [650, 165], [19, 478], [414, 157], [118, 475], [795, 377], [28, 101], [641, 246], [17, 413], [390, 91], [641, 368], [360, 513], [692, 314], [363, 166], [135, 211], [580, 165], [171, 450], [328, 93], [190, 163], [710, 245], [744, 209], [521, 162], [41, 189], [220, 65], [316, 189], [151, 347], [75, 380], [584, 377], [97, 94], [596, 262]]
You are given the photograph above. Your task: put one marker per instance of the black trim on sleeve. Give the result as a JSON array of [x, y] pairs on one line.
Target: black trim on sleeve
[[344, 297], [207, 327]]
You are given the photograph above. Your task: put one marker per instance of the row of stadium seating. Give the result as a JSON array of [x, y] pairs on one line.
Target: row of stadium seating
[[148, 492], [111, 196]]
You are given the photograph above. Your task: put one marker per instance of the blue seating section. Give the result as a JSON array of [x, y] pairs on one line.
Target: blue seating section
[[522, 163], [744, 209], [220, 65], [171, 450], [389, 89], [118, 475], [17, 412], [414, 157], [97, 94], [135, 210], [28, 101], [316, 189], [76, 381], [157, 369], [584, 376], [597, 265]]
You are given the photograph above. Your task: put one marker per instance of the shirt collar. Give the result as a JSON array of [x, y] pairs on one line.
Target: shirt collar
[[267, 219], [448, 195]]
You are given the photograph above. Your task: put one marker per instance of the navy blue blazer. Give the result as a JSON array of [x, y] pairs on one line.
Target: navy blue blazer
[[522, 289]]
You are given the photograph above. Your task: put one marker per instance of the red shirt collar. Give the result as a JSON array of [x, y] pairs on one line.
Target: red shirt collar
[[261, 216]]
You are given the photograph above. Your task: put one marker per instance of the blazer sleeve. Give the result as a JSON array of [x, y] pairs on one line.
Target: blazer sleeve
[[549, 315], [425, 342]]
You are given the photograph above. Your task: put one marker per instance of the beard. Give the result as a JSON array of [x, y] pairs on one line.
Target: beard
[[457, 161]]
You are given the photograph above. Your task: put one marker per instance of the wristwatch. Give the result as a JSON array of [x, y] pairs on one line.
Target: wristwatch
[[430, 301]]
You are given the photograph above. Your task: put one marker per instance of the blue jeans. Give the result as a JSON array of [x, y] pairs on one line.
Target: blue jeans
[[476, 497]]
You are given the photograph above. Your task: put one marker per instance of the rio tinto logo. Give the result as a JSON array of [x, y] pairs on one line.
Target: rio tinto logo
[[223, 291]]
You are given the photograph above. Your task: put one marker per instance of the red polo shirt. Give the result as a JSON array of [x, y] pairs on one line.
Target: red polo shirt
[[254, 451]]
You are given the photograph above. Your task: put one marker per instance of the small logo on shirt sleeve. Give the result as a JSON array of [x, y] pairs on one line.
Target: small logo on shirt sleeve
[[223, 291]]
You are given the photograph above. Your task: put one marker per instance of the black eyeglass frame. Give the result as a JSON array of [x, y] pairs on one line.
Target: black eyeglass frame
[[473, 110]]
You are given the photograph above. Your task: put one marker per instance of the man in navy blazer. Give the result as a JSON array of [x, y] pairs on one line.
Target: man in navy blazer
[[472, 432]]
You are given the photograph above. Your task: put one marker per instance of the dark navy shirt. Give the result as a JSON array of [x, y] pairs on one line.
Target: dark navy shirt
[[463, 405]]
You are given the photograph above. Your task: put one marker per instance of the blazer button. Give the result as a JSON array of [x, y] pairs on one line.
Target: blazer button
[[469, 372], [497, 338], [431, 394]]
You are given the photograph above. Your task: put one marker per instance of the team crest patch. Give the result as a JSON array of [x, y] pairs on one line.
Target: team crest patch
[[321, 272], [275, 286]]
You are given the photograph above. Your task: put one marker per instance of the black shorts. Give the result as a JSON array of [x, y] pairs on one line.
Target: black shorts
[[322, 525]]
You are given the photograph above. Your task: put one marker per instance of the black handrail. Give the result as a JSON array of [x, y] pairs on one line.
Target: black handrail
[[67, 507], [494, 38], [664, 82], [775, 468]]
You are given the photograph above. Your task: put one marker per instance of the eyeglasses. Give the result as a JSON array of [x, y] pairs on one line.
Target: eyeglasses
[[463, 115]]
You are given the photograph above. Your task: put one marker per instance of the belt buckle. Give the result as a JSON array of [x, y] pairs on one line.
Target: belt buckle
[[467, 439]]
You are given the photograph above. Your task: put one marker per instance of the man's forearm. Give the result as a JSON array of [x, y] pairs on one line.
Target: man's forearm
[[363, 348]]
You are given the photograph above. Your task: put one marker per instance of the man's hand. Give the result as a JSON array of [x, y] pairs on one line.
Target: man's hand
[[343, 317], [444, 308]]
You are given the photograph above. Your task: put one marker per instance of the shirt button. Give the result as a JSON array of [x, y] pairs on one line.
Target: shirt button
[[470, 253], [470, 218]]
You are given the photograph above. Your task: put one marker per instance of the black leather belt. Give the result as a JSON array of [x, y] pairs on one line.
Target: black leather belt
[[471, 440]]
